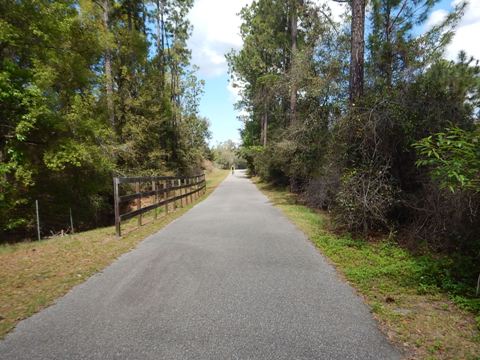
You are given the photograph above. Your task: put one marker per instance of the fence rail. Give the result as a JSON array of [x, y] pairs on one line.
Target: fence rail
[[157, 190]]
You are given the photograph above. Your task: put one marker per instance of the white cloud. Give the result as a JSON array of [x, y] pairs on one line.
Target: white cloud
[[337, 8], [235, 94], [234, 88], [436, 18], [216, 30], [234, 91], [466, 33]]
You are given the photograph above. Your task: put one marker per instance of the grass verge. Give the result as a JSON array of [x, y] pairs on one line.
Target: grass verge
[[34, 274], [420, 318]]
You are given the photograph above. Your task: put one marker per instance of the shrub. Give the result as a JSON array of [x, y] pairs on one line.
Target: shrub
[[321, 192], [365, 199]]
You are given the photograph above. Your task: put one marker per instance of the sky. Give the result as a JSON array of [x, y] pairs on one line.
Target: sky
[[216, 25]]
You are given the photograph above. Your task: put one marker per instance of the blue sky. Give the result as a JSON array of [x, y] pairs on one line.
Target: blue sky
[[217, 106], [216, 32]]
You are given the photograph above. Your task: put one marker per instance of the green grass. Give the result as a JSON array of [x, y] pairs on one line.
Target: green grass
[[407, 293], [34, 274]]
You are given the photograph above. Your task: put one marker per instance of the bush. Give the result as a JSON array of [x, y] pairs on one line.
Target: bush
[[270, 164], [366, 199], [453, 157], [321, 192], [444, 220]]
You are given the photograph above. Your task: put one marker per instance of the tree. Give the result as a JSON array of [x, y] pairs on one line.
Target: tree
[[267, 65], [293, 38], [108, 61], [357, 54], [81, 102], [266, 54], [225, 154]]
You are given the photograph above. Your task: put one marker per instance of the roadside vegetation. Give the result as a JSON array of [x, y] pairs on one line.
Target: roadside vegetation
[[226, 154], [34, 274], [90, 90], [383, 136], [413, 295]]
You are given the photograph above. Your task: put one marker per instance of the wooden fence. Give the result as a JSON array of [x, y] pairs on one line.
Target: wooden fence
[[155, 191]]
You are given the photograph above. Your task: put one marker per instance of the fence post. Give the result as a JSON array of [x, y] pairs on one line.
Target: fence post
[[180, 183], [71, 222], [172, 183], [38, 220], [139, 203], [162, 193], [154, 188], [166, 196], [200, 184], [190, 189], [194, 195], [204, 184], [116, 204], [185, 190], [193, 189], [196, 187]]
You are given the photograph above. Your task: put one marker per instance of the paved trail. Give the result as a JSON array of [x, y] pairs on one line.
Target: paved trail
[[231, 279]]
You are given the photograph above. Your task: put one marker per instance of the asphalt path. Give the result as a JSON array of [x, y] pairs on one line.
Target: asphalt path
[[230, 279]]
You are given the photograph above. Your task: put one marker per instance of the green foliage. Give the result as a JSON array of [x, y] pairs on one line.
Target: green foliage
[[270, 163], [60, 142], [358, 161], [454, 157], [394, 50], [267, 70], [226, 155], [249, 154]]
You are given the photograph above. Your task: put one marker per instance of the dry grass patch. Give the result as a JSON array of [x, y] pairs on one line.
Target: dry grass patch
[[34, 274], [418, 317]]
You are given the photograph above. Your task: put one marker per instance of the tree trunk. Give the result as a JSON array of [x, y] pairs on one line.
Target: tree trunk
[[264, 126], [161, 40], [388, 55], [293, 38], [357, 50], [108, 65], [2, 159]]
